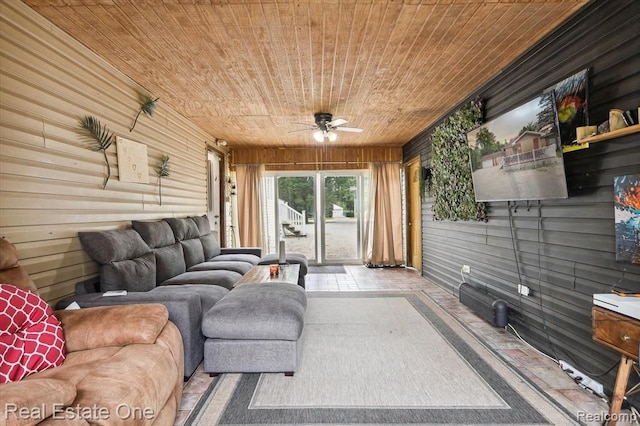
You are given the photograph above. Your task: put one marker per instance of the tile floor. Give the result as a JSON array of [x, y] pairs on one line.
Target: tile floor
[[539, 369]]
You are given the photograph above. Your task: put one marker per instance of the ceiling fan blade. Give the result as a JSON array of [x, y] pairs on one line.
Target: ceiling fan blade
[[349, 129], [337, 122], [302, 130]]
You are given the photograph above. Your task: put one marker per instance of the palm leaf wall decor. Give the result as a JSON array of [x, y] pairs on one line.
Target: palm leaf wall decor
[[163, 170], [103, 139], [148, 107]]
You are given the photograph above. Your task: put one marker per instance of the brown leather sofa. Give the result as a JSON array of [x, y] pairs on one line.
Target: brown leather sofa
[[123, 365]]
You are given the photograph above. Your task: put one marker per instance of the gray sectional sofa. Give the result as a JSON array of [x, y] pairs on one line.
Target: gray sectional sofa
[[166, 252], [176, 262]]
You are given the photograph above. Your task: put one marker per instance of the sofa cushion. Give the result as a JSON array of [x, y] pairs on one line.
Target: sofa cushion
[[291, 257], [273, 311], [237, 257], [183, 228], [169, 261], [202, 222], [138, 274], [222, 278], [141, 384], [45, 394], [236, 266], [98, 327], [155, 234], [193, 252], [209, 294], [112, 246], [31, 338], [210, 246]]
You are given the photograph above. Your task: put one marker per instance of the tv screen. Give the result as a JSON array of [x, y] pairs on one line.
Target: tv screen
[[518, 156]]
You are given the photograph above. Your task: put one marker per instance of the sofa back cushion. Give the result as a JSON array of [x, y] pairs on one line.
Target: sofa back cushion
[[193, 252], [80, 324], [138, 274], [169, 262], [112, 246], [155, 234], [183, 228], [209, 242], [202, 223], [210, 245]]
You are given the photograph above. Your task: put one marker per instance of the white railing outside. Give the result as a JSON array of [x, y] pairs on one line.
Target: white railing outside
[[289, 215]]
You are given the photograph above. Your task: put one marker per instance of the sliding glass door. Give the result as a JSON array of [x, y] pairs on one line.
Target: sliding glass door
[[315, 213], [341, 218]]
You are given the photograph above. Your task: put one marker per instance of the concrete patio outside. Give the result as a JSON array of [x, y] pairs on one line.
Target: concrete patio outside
[[341, 240]]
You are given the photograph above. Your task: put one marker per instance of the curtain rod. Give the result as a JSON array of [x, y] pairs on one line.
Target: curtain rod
[[313, 163]]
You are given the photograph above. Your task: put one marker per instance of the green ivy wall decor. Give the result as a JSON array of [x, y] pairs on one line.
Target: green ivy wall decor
[[148, 107], [162, 171], [103, 139], [452, 184]]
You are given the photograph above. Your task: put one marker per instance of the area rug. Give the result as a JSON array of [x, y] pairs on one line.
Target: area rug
[[326, 269], [383, 358]]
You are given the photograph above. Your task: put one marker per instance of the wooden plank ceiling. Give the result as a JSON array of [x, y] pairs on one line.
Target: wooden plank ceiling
[[253, 73]]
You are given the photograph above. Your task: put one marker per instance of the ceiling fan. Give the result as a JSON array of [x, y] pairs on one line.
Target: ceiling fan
[[326, 127]]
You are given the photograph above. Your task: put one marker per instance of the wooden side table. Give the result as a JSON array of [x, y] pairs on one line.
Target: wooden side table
[[622, 334]]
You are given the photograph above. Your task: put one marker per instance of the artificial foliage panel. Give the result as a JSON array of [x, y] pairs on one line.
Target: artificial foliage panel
[[452, 184]]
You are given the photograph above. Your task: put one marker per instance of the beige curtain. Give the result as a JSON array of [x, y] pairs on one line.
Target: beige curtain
[[250, 202], [383, 219]]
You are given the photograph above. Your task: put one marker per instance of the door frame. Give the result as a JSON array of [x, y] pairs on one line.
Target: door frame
[[319, 200], [358, 207], [218, 187], [413, 212]]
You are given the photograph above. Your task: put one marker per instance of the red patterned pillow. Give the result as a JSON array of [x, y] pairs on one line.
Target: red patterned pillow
[[31, 337]]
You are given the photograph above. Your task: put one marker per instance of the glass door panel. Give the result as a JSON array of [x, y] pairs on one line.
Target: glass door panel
[[295, 209], [341, 218]]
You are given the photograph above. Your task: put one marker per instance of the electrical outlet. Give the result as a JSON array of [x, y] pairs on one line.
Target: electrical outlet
[[523, 290], [466, 269], [582, 379]]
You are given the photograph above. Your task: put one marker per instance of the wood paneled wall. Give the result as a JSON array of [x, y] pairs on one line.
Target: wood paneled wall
[[50, 181], [321, 158], [565, 249]]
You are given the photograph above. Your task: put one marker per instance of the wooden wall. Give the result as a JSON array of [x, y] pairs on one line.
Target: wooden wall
[[321, 158], [565, 248], [50, 181]]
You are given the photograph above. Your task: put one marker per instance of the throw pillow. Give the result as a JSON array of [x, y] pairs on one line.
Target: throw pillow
[[31, 338]]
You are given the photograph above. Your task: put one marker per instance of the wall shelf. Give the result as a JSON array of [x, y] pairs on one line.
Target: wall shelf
[[584, 143]]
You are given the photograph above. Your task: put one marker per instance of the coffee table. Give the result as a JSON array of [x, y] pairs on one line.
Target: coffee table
[[259, 274]]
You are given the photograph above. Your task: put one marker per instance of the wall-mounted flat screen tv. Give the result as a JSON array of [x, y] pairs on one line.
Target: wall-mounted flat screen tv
[[518, 156]]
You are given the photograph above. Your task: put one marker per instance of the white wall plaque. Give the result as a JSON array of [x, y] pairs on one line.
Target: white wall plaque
[[133, 165]]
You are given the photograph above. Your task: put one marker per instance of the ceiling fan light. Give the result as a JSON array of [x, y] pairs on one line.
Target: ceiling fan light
[[318, 136], [332, 136]]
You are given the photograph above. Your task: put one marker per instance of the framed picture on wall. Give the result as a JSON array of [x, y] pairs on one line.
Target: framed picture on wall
[[571, 105], [133, 165], [627, 217]]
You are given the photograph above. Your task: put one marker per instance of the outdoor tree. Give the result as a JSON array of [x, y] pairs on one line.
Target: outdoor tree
[[530, 127], [298, 192], [486, 143], [339, 190]]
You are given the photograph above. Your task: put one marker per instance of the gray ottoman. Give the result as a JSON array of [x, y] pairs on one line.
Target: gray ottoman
[[292, 258], [255, 328]]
